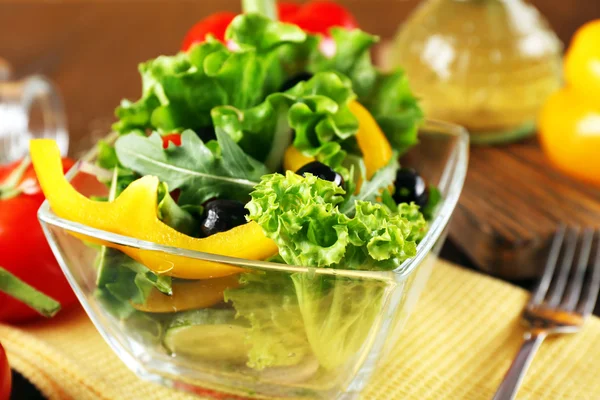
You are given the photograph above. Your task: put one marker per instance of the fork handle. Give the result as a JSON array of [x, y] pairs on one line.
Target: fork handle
[[515, 374]]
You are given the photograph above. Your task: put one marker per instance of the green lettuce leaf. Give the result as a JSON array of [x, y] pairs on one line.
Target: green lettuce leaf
[[200, 171], [268, 302], [178, 92], [373, 188], [317, 110], [338, 314], [301, 215], [386, 95]]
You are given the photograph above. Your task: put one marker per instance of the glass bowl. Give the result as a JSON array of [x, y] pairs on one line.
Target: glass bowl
[[299, 332]]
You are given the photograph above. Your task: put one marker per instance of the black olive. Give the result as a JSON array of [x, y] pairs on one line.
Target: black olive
[[322, 171], [410, 186], [222, 215], [294, 80]]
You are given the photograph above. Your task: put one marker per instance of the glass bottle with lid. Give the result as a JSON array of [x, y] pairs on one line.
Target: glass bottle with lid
[[485, 64]]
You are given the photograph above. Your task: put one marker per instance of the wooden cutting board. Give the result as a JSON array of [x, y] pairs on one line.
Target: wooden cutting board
[[512, 203]]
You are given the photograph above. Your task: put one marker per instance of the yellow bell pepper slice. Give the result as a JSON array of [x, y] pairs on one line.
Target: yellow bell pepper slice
[[133, 214], [188, 295], [375, 147]]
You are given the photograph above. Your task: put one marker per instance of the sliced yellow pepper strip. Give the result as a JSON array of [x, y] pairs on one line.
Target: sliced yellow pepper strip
[[293, 159], [375, 147], [133, 214], [188, 295]]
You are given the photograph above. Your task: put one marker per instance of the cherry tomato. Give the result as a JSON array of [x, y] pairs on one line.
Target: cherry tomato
[[215, 24], [569, 126], [320, 16], [582, 62], [24, 250], [314, 17], [5, 376], [174, 138], [286, 11]]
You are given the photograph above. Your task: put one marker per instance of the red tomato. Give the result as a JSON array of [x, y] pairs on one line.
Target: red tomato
[[313, 17], [215, 24], [5, 376], [286, 11], [24, 250], [320, 16], [174, 138]]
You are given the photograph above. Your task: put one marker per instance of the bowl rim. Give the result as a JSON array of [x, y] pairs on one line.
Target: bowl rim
[[451, 182]]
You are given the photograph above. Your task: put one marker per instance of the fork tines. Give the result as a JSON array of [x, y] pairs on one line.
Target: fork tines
[[571, 278]]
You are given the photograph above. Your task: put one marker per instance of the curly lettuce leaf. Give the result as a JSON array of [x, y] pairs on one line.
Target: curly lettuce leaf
[[386, 95], [178, 92], [301, 215], [199, 171], [316, 110], [269, 303]]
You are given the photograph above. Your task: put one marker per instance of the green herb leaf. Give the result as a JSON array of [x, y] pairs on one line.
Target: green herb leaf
[[122, 280], [193, 167], [171, 214], [14, 287], [373, 188]]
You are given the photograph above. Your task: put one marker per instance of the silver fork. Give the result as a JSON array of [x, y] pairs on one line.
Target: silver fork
[[552, 311]]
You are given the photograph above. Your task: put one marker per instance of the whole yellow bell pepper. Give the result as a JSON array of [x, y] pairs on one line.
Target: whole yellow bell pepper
[[582, 61], [569, 121], [569, 125], [134, 214], [376, 149]]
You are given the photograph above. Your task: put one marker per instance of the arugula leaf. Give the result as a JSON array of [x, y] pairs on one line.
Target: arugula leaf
[[338, 314], [386, 95], [200, 173], [301, 215], [121, 280], [373, 188], [268, 301]]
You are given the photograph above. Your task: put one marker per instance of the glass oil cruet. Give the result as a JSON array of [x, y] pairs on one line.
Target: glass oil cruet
[[485, 64]]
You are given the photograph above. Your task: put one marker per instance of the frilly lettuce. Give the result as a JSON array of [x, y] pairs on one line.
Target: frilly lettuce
[[386, 95], [268, 301], [178, 92], [301, 215], [317, 110]]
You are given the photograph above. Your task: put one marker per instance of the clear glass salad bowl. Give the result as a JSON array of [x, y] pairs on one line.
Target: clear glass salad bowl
[[332, 325]]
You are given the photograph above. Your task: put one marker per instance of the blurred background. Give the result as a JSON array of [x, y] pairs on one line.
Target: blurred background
[[90, 49]]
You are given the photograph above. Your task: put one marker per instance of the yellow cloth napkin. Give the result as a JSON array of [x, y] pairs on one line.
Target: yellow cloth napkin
[[457, 345]]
